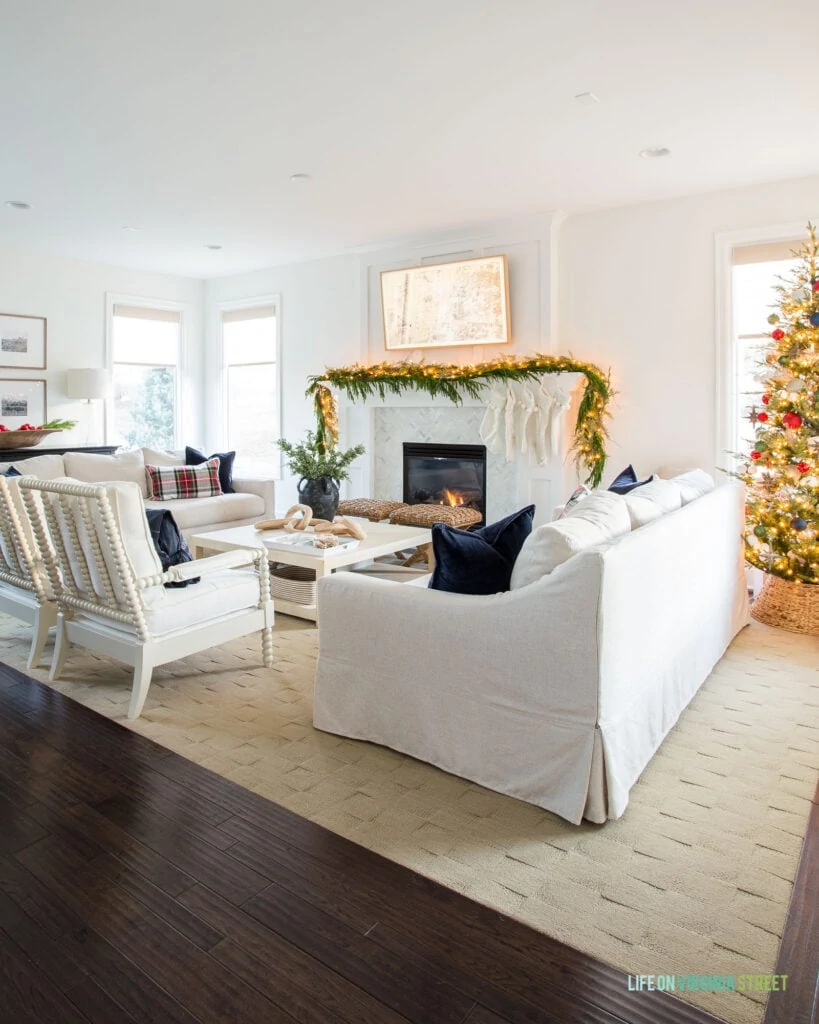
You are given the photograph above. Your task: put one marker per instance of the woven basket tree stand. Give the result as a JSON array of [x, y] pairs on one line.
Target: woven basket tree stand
[[793, 606]]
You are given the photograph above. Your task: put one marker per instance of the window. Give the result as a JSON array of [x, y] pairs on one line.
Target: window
[[755, 273], [251, 386], [145, 351]]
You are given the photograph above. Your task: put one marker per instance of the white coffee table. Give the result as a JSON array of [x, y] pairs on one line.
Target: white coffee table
[[382, 539]]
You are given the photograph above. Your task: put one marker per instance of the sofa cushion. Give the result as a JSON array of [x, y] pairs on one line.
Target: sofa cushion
[[627, 481], [193, 457], [693, 484], [651, 501], [159, 457], [186, 482], [224, 508], [479, 561], [44, 467], [599, 519], [100, 469]]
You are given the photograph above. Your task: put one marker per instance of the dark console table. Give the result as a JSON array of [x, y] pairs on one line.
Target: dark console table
[[18, 454]]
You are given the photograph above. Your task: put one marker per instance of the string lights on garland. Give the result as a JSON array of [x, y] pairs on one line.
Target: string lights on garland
[[454, 381]]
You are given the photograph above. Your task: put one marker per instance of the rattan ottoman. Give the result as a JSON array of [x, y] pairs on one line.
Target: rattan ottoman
[[427, 515], [374, 509]]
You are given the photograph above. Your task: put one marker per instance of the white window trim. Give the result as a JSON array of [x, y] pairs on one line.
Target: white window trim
[[183, 308], [228, 306], [725, 400]]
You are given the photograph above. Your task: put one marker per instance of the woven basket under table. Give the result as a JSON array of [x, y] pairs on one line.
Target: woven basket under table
[[793, 606], [292, 583]]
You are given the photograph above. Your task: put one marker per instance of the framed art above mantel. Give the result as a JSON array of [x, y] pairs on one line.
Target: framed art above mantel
[[23, 341], [438, 305]]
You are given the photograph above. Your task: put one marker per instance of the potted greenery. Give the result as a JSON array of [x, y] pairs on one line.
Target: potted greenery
[[320, 471]]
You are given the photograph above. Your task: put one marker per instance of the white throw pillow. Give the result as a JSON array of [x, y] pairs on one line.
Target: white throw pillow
[[44, 467], [156, 457], [99, 469], [651, 501], [693, 484], [598, 519]]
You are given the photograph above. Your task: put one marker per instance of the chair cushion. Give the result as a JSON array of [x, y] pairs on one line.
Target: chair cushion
[[216, 596], [224, 508], [693, 484], [44, 467], [100, 469], [183, 482], [479, 561], [651, 501], [598, 519], [129, 511], [193, 457]]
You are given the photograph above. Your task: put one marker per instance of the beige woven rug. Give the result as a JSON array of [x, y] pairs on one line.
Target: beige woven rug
[[695, 878]]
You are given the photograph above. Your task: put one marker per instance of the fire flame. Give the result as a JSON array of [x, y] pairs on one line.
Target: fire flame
[[452, 498]]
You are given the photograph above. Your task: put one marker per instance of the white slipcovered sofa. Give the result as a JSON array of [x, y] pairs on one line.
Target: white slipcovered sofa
[[557, 692], [253, 498]]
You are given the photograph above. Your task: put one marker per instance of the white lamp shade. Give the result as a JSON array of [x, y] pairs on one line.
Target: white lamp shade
[[89, 383]]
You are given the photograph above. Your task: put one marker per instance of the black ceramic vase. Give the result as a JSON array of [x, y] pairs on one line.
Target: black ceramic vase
[[321, 495]]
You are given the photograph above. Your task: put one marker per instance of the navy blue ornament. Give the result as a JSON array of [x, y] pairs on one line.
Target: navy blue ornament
[[814, 319], [799, 524]]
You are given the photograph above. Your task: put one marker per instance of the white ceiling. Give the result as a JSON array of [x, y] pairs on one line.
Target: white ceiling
[[186, 118]]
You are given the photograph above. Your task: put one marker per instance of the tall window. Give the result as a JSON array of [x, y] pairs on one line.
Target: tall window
[[755, 273], [145, 346], [251, 386]]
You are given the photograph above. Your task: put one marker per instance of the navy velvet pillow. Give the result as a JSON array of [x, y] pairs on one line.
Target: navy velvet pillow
[[479, 561], [627, 481], [11, 471], [193, 457]]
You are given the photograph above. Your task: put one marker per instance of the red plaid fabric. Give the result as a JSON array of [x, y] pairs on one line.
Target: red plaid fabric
[[166, 482]]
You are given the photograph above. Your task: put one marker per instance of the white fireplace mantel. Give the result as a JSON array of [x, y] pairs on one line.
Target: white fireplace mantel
[[381, 425]]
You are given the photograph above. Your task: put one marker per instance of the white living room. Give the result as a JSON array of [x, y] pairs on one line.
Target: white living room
[[409, 513]]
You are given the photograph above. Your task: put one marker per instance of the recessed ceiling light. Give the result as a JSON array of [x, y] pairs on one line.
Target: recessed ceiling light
[[586, 99], [654, 152], [300, 177], [213, 247], [18, 204], [129, 227]]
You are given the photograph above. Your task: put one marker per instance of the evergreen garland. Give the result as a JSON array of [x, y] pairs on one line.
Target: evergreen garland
[[453, 381]]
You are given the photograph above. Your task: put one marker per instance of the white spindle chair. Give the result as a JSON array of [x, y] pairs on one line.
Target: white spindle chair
[[25, 591], [108, 582]]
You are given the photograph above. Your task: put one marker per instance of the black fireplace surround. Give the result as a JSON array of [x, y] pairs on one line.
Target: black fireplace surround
[[445, 474]]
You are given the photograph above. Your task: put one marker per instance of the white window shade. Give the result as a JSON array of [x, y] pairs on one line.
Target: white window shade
[[235, 316], [171, 316], [765, 252]]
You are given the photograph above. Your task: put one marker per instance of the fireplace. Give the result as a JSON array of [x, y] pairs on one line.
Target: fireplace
[[445, 474]]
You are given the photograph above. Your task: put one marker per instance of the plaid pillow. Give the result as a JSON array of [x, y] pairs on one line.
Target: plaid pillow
[[166, 482]]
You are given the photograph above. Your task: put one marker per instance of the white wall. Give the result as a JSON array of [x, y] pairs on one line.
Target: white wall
[[71, 294], [320, 326], [637, 293]]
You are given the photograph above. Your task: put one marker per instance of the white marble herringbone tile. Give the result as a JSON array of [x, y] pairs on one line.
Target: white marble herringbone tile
[[695, 878]]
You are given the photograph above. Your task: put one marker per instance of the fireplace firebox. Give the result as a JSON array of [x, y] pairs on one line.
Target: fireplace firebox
[[445, 474]]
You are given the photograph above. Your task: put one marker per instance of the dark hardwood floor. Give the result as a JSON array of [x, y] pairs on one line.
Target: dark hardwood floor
[[138, 886]]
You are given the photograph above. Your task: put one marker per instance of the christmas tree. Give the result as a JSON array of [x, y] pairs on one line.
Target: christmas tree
[[782, 471]]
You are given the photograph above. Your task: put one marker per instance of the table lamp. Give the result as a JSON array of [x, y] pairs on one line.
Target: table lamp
[[87, 384]]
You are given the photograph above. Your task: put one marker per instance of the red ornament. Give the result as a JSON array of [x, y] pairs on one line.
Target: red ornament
[[792, 420], [778, 334], [756, 455], [816, 286], [803, 467], [766, 399], [762, 417]]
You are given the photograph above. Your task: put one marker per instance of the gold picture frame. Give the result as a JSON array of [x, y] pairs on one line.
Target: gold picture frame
[[23, 341], [447, 305]]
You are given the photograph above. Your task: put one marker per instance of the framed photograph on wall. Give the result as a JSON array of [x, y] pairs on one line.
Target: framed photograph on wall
[[22, 401], [23, 341], [465, 302]]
